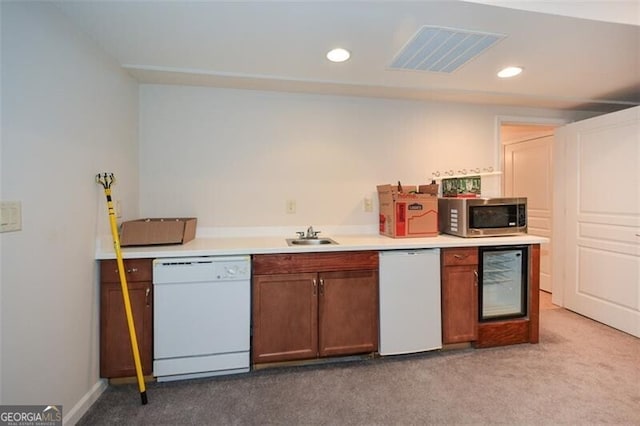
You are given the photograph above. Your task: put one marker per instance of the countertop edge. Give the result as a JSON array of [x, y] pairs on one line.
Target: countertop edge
[[277, 245]]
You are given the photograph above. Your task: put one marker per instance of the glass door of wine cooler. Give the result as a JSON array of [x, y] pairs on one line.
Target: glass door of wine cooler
[[503, 278]]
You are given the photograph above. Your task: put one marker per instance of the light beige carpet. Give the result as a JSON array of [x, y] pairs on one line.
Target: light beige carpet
[[581, 372]]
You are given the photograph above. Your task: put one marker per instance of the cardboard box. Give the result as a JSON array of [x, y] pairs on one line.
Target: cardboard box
[[407, 214], [462, 187], [148, 232], [431, 189]]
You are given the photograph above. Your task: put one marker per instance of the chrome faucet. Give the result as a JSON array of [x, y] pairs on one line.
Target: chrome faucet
[[310, 234]]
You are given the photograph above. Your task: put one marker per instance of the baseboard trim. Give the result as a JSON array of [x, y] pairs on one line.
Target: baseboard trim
[[75, 414]]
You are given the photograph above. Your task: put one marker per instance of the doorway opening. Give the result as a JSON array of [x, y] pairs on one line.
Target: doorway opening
[[526, 151]]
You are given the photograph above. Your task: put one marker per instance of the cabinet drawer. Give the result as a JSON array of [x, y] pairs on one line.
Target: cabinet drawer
[[460, 256], [137, 270], [266, 264]]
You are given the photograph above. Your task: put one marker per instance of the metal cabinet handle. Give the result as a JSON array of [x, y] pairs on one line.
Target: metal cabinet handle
[[129, 271], [315, 286], [475, 273], [460, 256], [146, 295], [321, 287]]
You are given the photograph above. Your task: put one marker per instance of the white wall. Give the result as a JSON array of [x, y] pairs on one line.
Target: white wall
[[229, 157], [69, 112], [1, 198], [233, 158]]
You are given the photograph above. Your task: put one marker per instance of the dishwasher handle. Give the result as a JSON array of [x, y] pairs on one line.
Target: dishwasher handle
[[185, 262]]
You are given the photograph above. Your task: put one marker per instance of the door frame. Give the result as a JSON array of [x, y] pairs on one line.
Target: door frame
[[516, 119], [499, 156], [524, 120]]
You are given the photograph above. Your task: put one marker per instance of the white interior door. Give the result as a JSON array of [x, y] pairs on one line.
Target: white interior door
[[528, 173], [599, 178]]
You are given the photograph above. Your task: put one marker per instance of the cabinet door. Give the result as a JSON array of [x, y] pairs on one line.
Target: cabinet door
[[116, 356], [459, 294], [348, 312], [285, 317], [459, 303]]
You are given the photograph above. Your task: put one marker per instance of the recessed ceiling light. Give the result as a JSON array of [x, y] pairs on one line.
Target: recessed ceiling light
[[338, 55], [509, 72]]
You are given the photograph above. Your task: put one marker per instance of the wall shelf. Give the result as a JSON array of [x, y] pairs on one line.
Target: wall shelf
[[461, 175]]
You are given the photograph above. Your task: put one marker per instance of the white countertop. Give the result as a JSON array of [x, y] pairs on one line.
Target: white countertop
[[224, 246]]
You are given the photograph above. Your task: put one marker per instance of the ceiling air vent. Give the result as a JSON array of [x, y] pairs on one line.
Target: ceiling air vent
[[439, 49]]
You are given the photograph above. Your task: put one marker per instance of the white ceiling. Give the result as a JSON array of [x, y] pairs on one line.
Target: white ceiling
[[570, 63]]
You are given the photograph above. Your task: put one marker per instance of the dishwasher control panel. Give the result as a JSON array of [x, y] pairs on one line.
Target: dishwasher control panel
[[229, 270]]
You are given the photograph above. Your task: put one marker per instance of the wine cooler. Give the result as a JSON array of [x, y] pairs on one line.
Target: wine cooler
[[503, 273]]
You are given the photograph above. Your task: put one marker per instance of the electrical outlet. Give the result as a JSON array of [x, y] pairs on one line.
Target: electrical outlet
[[368, 204], [291, 206]]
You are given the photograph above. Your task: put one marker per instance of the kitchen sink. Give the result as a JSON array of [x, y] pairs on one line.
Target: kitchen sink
[[310, 241]]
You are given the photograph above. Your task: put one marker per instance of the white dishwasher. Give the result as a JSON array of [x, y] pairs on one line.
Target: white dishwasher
[[410, 317], [201, 316]]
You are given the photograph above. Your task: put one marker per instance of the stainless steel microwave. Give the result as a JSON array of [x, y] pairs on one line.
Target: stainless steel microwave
[[482, 217]]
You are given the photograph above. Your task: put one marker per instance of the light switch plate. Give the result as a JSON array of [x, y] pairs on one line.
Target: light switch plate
[[368, 204], [10, 216]]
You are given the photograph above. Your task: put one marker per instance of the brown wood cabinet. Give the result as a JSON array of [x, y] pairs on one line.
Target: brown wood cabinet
[[116, 356], [312, 305], [285, 317], [348, 312], [459, 294], [519, 330]]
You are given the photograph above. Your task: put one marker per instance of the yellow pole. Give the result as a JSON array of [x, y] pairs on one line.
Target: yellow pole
[[106, 180]]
